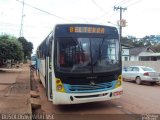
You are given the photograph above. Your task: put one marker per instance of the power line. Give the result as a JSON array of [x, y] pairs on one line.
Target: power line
[[110, 15], [102, 17], [11, 25], [98, 6], [134, 3], [44, 11], [128, 1], [105, 17], [84, 19], [8, 24], [105, 12], [121, 2]]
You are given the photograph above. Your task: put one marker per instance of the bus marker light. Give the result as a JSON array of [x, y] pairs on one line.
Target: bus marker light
[[59, 87], [119, 81], [58, 81]]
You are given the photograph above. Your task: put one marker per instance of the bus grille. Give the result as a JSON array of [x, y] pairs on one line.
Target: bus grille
[[89, 88]]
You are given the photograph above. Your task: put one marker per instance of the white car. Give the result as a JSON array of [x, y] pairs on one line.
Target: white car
[[140, 74]]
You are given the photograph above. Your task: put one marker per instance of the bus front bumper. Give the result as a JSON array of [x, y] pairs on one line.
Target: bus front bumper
[[76, 98]]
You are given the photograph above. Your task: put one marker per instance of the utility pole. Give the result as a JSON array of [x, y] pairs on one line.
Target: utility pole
[[21, 27], [120, 20]]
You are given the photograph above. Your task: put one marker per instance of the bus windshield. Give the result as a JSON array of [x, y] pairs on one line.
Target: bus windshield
[[87, 55]]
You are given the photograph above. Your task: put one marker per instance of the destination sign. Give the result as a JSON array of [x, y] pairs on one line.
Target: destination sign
[[74, 29]]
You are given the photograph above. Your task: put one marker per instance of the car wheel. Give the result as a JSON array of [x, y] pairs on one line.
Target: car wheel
[[152, 83], [124, 79], [138, 80]]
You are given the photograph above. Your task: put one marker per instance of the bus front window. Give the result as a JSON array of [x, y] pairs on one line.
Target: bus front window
[[105, 54], [87, 55], [73, 55]]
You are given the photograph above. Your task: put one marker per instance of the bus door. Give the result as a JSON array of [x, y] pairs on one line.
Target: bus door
[[49, 71]]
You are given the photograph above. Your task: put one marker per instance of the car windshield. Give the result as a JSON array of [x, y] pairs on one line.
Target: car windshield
[[87, 55], [148, 69]]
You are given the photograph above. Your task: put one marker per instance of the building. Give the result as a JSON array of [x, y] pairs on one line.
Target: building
[[125, 52], [143, 54]]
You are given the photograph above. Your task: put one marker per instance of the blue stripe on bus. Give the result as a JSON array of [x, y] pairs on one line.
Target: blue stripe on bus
[[89, 88]]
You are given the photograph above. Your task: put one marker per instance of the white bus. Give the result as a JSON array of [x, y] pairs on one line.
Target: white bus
[[79, 63]]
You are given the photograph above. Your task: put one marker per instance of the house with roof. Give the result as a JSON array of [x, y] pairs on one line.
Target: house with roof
[[125, 52], [145, 53]]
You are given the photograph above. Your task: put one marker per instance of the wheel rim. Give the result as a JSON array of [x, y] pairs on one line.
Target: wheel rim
[[138, 80]]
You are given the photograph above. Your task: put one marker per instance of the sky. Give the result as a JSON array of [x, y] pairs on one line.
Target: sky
[[40, 16]]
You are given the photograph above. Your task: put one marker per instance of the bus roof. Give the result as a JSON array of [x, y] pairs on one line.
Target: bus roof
[[83, 30], [74, 30]]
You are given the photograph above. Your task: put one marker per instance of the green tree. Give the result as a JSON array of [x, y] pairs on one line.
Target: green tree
[[138, 43], [10, 48], [133, 41], [127, 41], [27, 47]]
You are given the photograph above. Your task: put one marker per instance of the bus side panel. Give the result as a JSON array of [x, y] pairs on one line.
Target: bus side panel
[[53, 72], [48, 80], [42, 71]]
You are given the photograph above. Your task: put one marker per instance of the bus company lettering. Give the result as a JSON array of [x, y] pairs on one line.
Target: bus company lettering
[[86, 29]]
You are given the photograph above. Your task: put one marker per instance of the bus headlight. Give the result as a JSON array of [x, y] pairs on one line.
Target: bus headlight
[[119, 81], [59, 85]]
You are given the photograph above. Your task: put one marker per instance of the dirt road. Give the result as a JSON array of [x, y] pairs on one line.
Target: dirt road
[[15, 91], [138, 100]]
